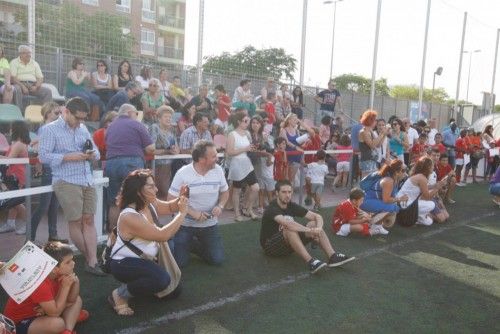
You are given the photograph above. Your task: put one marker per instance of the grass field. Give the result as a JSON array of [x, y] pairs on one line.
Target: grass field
[[439, 279]]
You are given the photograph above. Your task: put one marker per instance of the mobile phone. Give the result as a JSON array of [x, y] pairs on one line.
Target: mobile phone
[[209, 215]]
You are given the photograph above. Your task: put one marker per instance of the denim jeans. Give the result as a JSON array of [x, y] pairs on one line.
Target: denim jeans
[[48, 205], [90, 98], [495, 189], [205, 242], [117, 170], [142, 277]]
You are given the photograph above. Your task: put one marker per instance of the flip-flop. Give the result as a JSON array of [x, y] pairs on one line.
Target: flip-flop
[[123, 310]]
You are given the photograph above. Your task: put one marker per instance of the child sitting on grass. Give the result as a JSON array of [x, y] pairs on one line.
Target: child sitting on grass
[[55, 306], [349, 218], [316, 172]]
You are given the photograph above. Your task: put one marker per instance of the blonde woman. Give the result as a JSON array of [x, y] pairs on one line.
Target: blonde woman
[[151, 100]]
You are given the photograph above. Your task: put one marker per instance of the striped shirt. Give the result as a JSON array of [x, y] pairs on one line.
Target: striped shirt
[[203, 191], [58, 139]]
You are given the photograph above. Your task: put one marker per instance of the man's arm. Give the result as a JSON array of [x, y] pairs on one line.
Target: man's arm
[[315, 217], [291, 224]]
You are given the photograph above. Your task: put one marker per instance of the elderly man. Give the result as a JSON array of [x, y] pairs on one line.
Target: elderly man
[[64, 145], [27, 77], [127, 141], [202, 102], [281, 235], [196, 132], [208, 193], [270, 87], [132, 89]]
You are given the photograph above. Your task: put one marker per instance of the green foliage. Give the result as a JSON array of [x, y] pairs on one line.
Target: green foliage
[[68, 27], [360, 84], [273, 62], [411, 92], [497, 108]]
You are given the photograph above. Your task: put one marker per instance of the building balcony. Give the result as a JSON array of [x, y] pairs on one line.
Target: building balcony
[[148, 15], [170, 52], [171, 22], [122, 8]]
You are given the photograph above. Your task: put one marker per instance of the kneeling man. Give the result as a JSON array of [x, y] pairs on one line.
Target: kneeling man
[[281, 235]]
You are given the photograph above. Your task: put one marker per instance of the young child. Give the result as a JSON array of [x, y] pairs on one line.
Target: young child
[[419, 148], [55, 306], [443, 169], [349, 218], [438, 139], [343, 162], [270, 108], [266, 181], [460, 150], [312, 144], [223, 106], [280, 171], [316, 172]]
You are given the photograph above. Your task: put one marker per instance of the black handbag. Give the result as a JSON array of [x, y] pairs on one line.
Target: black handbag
[[408, 216]]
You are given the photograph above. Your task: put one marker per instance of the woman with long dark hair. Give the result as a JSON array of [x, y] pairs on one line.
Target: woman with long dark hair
[[298, 102], [489, 142], [123, 76]]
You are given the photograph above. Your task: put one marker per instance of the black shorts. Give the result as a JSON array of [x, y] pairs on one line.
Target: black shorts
[[472, 163], [277, 245], [249, 180]]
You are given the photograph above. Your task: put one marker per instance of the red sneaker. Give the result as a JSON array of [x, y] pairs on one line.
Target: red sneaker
[[84, 315]]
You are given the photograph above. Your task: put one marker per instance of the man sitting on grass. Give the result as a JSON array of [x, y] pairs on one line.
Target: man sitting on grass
[[280, 235], [55, 306]]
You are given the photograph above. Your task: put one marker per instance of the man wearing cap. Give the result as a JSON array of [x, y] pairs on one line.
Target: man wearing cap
[[328, 99]]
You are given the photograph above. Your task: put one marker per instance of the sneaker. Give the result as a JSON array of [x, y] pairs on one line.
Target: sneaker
[[58, 238], [7, 228], [95, 270], [343, 231], [450, 201], [315, 265], [374, 230], [426, 222], [21, 230], [338, 259], [308, 200], [460, 184], [382, 230]]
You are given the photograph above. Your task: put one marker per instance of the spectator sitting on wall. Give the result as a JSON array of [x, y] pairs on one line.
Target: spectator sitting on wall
[[202, 102], [102, 82], [124, 75], [132, 89], [6, 89]]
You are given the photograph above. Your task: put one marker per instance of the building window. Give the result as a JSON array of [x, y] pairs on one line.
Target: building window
[[123, 6], [147, 41], [91, 2], [148, 10]]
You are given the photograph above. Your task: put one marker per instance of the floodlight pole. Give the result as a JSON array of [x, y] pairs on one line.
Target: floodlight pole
[[31, 26], [421, 90], [200, 42], [492, 102], [303, 43], [375, 51], [455, 106]]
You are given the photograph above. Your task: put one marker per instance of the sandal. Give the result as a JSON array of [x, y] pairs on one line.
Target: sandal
[[122, 309], [249, 214]]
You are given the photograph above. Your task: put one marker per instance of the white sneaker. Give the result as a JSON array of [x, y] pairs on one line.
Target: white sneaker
[[460, 184], [344, 230], [427, 221], [7, 228], [21, 230], [382, 230], [374, 230]]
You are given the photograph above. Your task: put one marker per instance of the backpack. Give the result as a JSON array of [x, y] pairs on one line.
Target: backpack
[[370, 182]]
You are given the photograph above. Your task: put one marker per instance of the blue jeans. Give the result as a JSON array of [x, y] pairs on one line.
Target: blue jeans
[[205, 242], [117, 170], [90, 98], [495, 189], [48, 205], [142, 277]]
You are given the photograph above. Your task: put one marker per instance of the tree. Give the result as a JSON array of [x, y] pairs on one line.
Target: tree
[[273, 62], [67, 27], [411, 92], [360, 84], [497, 108]]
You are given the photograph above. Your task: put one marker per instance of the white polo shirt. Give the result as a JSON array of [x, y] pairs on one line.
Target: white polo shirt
[[203, 191]]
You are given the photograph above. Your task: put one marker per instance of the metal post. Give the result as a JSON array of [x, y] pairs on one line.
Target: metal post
[[468, 77], [303, 43], [455, 106], [492, 93], [375, 51], [333, 32], [28, 202], [31, 26], [421, 90], [200, 41]]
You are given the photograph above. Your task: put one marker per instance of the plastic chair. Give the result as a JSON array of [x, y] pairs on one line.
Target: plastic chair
[[10, 113], [33, 113], [220, 141], [55, 93]]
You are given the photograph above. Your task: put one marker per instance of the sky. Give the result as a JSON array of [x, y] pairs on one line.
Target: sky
[[232, 24]]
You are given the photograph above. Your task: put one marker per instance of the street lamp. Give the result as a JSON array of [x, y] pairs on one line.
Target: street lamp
[[334, 2], [468, 77], [439, 71]]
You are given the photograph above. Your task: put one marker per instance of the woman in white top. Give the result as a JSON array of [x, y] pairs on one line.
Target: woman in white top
[[136, 224], [243, 97], [144, 77], [102, 82], [241, 170], [417, 184], [383, 150]]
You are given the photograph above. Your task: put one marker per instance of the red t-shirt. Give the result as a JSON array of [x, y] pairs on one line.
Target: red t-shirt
[[223, 111], [418, 150], [440, 147], [280, 166], [19, 171], [442, 171], [343, 214], [271, 112], [460, 148], [99, 137], [46, 292], [313, 144], [473, 143]]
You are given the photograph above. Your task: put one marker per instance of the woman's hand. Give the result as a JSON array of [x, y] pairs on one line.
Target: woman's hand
[[182, 204], [175, 149]]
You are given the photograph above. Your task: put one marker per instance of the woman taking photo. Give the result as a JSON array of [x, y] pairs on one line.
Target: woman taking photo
[[241, 171], [417, 187], [369, 142], [398, 142], [381, 195], [163, 135], [290, 132], [139, 211]]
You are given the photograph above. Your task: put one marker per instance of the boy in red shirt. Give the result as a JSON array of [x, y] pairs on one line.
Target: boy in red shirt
[[438, 138], [460, 150], [55, 306], [280, 160], [223, 105], [443, 169], [349, 218], [420, 148], [270, 108]]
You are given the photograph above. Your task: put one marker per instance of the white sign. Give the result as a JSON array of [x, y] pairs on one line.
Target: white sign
[[26, 271]]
